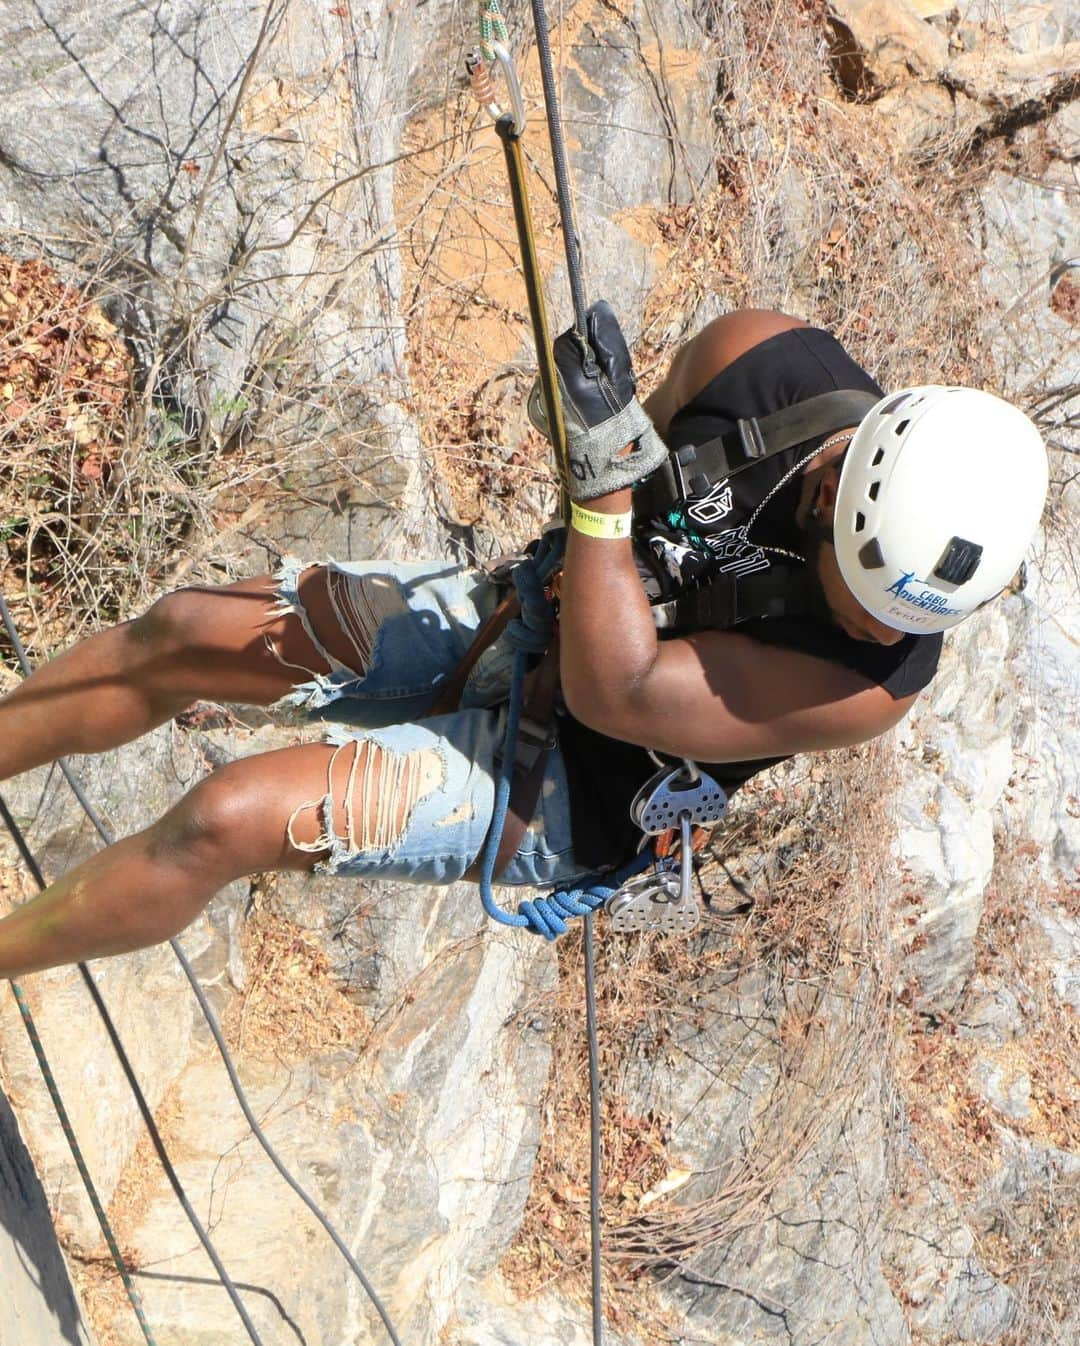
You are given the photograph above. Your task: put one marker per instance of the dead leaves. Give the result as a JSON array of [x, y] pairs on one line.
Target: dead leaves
[[1065, 299], [65, 381], [64, 371], [293, 1008]]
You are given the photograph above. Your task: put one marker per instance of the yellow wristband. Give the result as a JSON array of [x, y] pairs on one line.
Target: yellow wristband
[[594, 524]]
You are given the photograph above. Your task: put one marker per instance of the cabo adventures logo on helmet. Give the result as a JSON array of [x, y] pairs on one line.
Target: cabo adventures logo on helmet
[[926, 599]]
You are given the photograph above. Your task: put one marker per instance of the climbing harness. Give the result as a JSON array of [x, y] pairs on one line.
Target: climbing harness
[[531, 632], [729, 598], [696, 468]]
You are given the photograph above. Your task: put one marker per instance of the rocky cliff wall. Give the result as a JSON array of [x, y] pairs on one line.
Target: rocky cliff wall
[[846, 1114]]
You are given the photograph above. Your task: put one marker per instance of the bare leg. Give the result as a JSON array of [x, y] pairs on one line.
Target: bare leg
[[192, 644], [241, 820]]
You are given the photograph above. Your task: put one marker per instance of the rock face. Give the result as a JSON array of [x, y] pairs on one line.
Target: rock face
[[946, 839], [229, 163], [838, 1141], [40, 1304]]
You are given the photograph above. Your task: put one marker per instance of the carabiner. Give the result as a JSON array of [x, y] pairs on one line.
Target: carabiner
[[690, 769], [483, 85]]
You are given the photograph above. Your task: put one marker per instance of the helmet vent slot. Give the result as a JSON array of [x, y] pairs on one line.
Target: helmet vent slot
[[875, 486], [878, 457], [901, 427], [860, 522], [870, 557], [890, 407]]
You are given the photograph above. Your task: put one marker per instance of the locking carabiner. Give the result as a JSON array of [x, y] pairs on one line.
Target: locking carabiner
[[483, 85]]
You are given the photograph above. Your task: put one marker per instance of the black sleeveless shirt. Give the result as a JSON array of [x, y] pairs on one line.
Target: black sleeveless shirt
[[741, 525]]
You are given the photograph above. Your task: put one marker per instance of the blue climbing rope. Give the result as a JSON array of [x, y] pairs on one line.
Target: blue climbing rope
[[531, 633]]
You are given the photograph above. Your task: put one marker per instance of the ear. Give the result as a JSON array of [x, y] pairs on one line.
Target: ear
[[825, 496]]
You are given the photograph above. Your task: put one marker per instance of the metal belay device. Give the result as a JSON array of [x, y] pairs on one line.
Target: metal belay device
[[681, 797]]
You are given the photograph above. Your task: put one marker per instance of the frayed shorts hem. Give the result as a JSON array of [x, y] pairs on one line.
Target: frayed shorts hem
[[430, 615]]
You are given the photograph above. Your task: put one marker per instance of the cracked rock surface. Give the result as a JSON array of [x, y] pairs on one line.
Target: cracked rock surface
[[396, 1047]]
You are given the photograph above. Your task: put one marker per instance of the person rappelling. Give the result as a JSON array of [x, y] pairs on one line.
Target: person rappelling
[[758, 561]]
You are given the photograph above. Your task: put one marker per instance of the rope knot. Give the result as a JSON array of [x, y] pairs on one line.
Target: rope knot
[[532, 631]]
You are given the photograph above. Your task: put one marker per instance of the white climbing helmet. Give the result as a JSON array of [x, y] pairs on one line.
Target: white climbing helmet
[[939, 496]]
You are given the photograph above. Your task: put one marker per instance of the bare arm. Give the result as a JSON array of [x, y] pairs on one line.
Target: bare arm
[[717, 696]]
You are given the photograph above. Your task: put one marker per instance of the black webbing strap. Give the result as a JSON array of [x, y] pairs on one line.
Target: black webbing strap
[[693, 469], [727, 600]]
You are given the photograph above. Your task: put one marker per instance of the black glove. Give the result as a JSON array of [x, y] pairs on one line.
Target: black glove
[[601, 411]]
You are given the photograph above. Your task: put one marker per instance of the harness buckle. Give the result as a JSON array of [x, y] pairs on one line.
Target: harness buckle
[[500, 570], [751, 438], [534, 739]]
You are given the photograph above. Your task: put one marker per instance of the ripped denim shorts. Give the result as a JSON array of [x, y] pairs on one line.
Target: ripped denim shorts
[[411, 625]]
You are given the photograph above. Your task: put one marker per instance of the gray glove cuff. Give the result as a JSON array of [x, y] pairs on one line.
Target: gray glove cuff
[[598, 464]]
